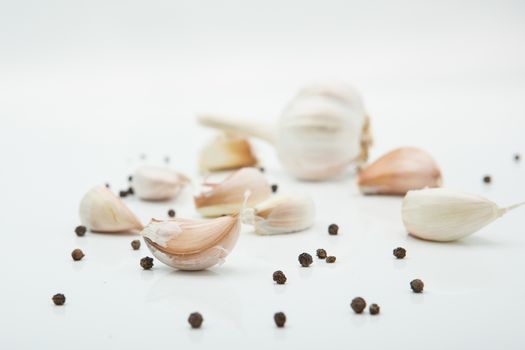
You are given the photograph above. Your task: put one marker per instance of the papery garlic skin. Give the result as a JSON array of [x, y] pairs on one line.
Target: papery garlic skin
[[226, 152], [227, 197], [440, 214], [281, 214], [102, 211], [192, 244], [399, 171], [157, 183]]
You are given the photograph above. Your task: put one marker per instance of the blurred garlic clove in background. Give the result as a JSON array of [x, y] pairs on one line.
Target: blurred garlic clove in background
[[226, 152], [192, 244], [102, 211], [228, 196], [156, 183], [399, 171]]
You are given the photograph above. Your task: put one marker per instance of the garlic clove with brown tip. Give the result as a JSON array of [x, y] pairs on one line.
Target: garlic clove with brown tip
[[227, 197], [102, 211], [192, 244], [281, 214], [157, 183], [226, 152], [399, 171], [441, 214]]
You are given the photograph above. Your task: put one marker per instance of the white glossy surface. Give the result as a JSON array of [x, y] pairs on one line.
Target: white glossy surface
[[85, 89]]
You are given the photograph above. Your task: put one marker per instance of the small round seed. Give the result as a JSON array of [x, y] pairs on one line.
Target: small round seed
[[130, 178], [146, 263], [358, 305], [261, 169], [107, 185], [487, 179], [280, 319], [77, 254], [330, 259], [274, 188], [305, 259], [171, 213], [374, 309], [333, 229], [195, 320], [321, 253], [80, 230], [59, 299], [135, 244], [417, 285], [279, 277], [400, 252], [517, 157]]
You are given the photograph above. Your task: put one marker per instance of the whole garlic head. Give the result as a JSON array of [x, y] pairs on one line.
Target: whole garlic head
[[157, 183], [102, 211], [192, 244], [226, 152]]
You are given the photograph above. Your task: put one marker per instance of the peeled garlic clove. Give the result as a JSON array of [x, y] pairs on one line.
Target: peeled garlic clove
[[281, 214], [227, 197], [157, 183], [226, 152], [439, 214], [192, 244], [102, 211], [399, 171]]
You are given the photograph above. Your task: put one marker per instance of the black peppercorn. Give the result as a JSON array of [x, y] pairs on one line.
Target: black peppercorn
[[130, 178], [487, 179], [333, 229], [171, 213], [146, 263], [195, 320], [59, 299], [261, 169], [321, 253], [330, 259], [77, 254], [135, 244], [122, 193], [279, 277], [305, 259], [358, 305], [274, 188], [80, 230], [400, 253], [517, 157], [374, 309], [417, 285], [280, 319], [131, 191], [107, 185]]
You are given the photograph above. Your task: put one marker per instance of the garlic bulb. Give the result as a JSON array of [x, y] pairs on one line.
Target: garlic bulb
[[439, 214], [399, 171], [192, 244], [157, 183], [280, 214], [322, 131], [227, 197], [102, 211], [226, 152]]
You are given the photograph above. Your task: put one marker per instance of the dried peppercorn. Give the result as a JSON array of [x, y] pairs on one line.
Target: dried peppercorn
[[279, 277], [122, 193], [330, 259], [487, 179], [321, 253], [333, 229], [146, 263], [59, 299], [135, 244], [305, 259], [107, 185], [274, 188], [261, 169], [517, 157], [80, 230], [280, 319], [77, 254], [358, 305], [195, 320], [130, 178], [171, 213], [417, 285], [374, 309], [400, 252], [131, 191]]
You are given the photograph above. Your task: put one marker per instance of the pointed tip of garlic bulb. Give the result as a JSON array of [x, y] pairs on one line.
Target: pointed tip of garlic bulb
[[102, 211], [399, 171], [156, 183], [192, 244], [227, 197], [226, 152], [281, 214]]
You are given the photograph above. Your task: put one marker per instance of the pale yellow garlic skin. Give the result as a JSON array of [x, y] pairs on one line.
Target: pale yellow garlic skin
[[101, 210], [321, 132], [157, 183], [226, 152], [440, 214]]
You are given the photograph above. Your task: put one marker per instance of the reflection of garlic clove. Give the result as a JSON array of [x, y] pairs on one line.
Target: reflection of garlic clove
[[101, 211], [439, 214], [226, 152], [157, 183], [323, 130], [399, 171], [281, 214], [192, 244], [227, 197]]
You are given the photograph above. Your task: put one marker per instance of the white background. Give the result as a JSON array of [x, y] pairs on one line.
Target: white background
[[88, 86]]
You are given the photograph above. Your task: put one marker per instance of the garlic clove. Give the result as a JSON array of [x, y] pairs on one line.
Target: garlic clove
[[157, 183], [192, 244], [281, 214], [102, 211], [399, 171], [227, 197], [226, 152], [440, 214]]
